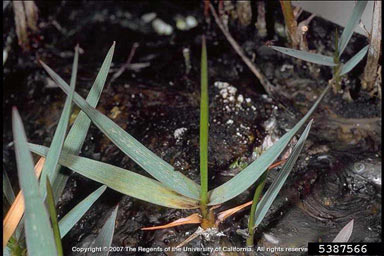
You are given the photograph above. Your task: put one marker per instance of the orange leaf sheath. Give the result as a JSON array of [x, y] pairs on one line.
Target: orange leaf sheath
[[16, 211]]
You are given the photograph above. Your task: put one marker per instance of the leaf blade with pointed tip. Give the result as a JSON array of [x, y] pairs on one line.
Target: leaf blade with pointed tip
[[78, 132], [252, 172], [345, 233], [150, 162], [104, 238], [39, 234], [7, 188], [122, 180], [352, 23], [307, 56], [49, 169], [269, 196], [349, 65], [74, 215]]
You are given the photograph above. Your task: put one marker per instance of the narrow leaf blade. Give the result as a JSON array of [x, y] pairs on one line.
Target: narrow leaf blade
[[352, 23], [53, 215], [149, 161], [252, 172], [49, 169], [78, 132], [191, 219], [7, 188], [344, 234], [354, 61], [204, 120], [122, 180], [269, 196], [307, 56], [39, 234], [74, 215], [104, 238]]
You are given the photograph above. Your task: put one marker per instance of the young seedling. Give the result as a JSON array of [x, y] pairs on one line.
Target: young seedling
[[339, 68], [171, 188]]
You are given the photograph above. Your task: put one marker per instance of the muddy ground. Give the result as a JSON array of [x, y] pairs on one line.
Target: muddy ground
[[338, 175]]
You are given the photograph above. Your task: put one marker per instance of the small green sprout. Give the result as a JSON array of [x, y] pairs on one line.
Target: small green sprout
[[339, 68]]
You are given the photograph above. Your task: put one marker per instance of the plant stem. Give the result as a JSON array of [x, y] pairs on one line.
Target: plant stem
[[204, 133], [256, 199], [53, 217], [336, 79], [290, 22]]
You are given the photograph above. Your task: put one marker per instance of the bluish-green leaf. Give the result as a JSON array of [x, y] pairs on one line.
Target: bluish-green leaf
[[269, 196], [39, 234], [74, 215], [122, 180], [53, 215], [352, 23], [49, 168], [149, 161], [307, 56], [252, 172], [78, 132], [349, 65], [104, 238], [7, 188]]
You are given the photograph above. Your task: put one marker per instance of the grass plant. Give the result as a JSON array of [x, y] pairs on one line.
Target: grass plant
[[169, 187], [339, 68]]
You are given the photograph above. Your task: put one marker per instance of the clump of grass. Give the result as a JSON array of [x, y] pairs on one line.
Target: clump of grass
[[169, 187], [42, 229]]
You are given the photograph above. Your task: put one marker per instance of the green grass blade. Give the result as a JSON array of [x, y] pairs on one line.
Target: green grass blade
[[204, 120], [53, 215], [307, 56], [15, 247], [122, 180], [252, 172], [74, 215], [7, 188], [39, 234], [76, 135], [255, 202], [49, 169], [149, 161], [345, 233], [104, 238], [352, 23], [349, 65], [277, 184]]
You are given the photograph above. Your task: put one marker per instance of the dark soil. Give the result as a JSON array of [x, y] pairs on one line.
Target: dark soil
[[325, 190]]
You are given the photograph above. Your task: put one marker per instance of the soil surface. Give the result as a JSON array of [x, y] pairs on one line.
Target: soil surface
[[337, 177]]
